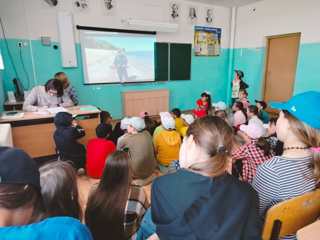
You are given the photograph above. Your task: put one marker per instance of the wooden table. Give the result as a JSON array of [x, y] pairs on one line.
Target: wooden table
[[34, 133]]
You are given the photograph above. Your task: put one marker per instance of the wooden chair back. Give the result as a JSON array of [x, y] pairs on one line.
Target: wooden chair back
[[289, 216]]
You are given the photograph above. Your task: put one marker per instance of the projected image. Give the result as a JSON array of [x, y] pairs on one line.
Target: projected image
[[118, 57]]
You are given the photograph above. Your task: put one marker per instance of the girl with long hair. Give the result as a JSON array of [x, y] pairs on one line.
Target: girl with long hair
[[204, 105], [115, 207], [202, 200], [297, 170]]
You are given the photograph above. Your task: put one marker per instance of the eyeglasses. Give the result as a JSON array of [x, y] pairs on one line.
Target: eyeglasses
[[52, 92]]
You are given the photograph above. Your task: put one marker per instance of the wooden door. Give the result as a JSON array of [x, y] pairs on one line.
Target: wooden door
[[281, 63]]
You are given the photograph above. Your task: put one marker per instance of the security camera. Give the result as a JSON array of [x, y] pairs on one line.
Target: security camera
[[52, 2]]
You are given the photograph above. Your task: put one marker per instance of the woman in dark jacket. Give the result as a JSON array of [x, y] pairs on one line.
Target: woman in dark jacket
[[202, 200], [66, 139]]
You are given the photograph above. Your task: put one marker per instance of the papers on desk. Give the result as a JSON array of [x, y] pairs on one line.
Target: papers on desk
[[12, 115], [53, 111]]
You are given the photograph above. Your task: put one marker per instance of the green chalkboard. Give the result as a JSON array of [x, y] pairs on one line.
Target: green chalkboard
[[161, 61], [172, 61], [180, 61]]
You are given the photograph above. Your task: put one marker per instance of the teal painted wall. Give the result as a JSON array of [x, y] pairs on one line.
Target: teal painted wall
[[207, 73], [1, 91], [252, 61]]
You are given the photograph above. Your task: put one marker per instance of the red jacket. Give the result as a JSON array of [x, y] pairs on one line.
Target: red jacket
[[98, 150], [202, 109]]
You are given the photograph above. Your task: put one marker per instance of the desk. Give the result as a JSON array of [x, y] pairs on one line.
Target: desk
[[34, 133], [5, 135]]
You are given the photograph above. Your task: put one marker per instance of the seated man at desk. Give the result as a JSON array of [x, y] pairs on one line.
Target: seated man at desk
[[49, 95]]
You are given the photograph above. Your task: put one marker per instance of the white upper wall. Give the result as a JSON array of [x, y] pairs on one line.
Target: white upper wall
[[273, 17], [34, 18]]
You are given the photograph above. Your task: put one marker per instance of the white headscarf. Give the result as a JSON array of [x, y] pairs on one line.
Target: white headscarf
[[188, 118], [167, 120], [124, 123], [137, 123]]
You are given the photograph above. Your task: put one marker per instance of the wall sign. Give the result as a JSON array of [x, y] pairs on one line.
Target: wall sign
[[207, 41]]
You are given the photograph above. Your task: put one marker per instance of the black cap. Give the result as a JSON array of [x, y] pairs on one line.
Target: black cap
[[17, 167], [262, 103], [239, 73]]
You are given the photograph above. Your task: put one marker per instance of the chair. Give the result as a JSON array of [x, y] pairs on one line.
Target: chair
[[289, 216]]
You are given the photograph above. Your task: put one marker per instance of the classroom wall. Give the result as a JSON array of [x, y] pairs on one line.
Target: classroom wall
[[27, 20], [273, 17], [1, 91]]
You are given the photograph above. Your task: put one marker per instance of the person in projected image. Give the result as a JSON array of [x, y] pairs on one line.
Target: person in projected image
[[121, 64]]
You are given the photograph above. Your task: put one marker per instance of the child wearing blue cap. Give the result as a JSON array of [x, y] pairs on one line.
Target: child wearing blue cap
[[289, 175], [22, 209]]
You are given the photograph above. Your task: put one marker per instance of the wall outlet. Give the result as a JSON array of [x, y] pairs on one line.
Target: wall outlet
[[22, 44]]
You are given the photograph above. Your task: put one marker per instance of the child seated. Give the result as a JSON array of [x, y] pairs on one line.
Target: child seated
[[115, 207], [66, 138], [167, 143], [243, 97], [105, 117], [23, 212], [150, 123], [203, 105], [222, 114], [252, 113], [188, 119], [201, 200], [239, 116], [138, 142], [275, 144], [58, 179], [252, 154], [263, 115], [98, 150], [176, 113]]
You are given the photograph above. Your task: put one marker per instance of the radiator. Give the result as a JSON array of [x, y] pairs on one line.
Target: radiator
[[152, 101]]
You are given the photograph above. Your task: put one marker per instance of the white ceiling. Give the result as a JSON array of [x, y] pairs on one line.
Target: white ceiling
[[228, 3]]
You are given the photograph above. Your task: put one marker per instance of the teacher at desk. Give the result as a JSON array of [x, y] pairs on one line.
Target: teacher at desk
[[49, 95]]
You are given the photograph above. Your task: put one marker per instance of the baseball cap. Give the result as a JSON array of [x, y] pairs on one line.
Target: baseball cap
[[254, 130], [220, 105], [303, 106], [17, 167], [240, 73]]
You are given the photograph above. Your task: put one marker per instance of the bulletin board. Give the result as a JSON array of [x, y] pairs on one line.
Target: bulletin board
[[207, 41]]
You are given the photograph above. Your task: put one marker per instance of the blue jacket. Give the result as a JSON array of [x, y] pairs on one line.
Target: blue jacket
[[189, 206], [54, 228]]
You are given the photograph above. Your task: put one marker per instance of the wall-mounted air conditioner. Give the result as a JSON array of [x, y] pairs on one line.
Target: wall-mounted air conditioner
[[150, 25]]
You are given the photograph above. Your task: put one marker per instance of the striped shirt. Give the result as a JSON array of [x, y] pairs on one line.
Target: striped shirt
[[280, 179]]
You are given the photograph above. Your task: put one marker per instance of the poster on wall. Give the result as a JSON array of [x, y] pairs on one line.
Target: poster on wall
[[207, 41]]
